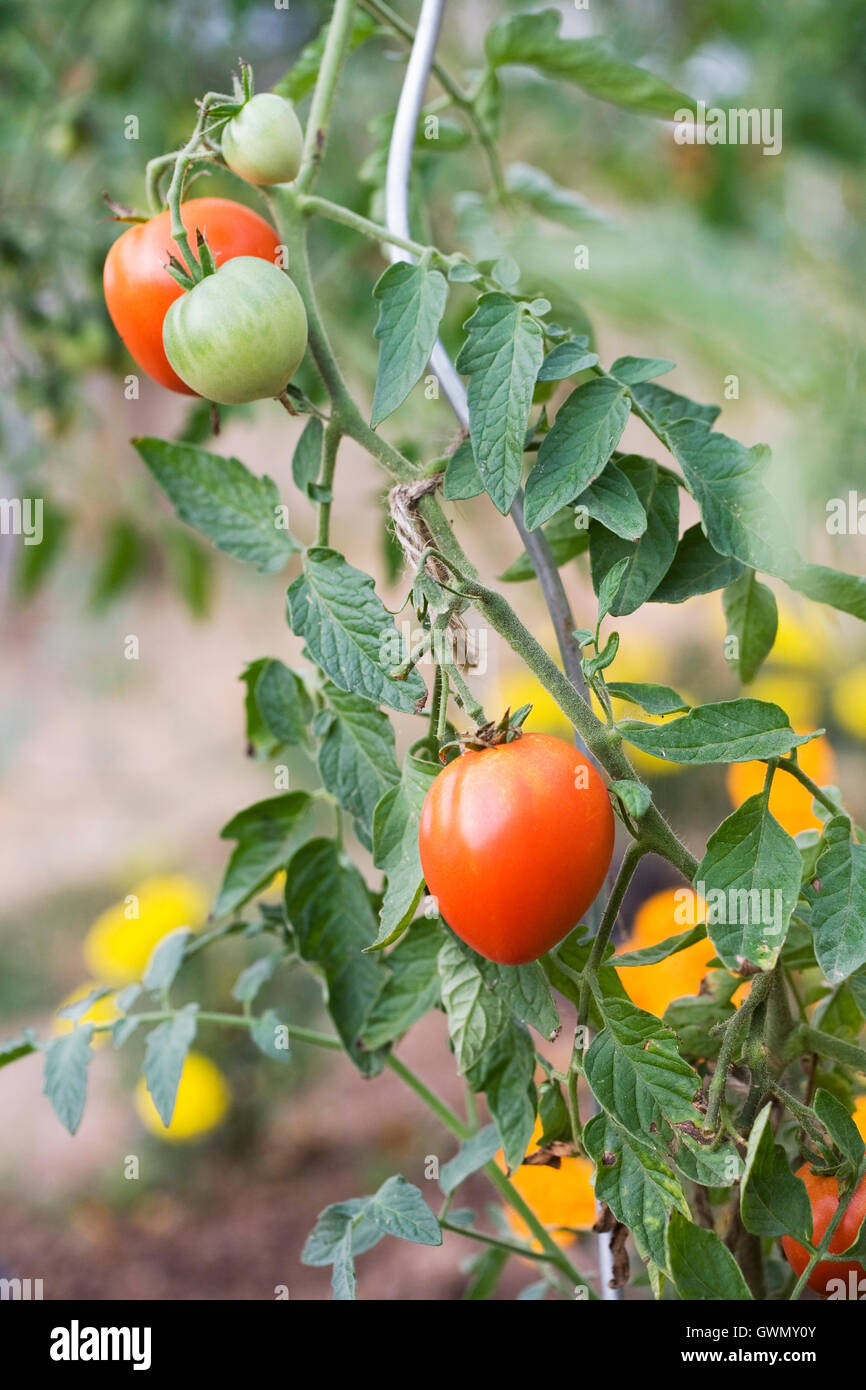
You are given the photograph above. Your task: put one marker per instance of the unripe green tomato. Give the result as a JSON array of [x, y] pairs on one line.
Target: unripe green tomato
[[263, 142], [239, 335]]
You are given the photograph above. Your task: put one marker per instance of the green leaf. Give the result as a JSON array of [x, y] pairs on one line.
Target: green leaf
[[476, 1017], [323, 1242], [847, 592], [412, 988], [343, 1283], [701, 1266], [582, 438], [526, 992], [268, 833], [839, 906], [649, 557], [731, 731], [307, 458], [238, 511], [283, 702], [695, 569], [301, 77], [750, 874], [636, 1073], [633, 370], [271, 1036], [412, 301], [472, 1155], [502, 354], [741, 516], [164, 1055], [655, 699], [666, 406], [534, 40], [505, 1073], [565, 540], [549, 199], [606, 594], [250, 980], [635, 797], [659, 950], [636, 1183], [65, 1076], [462, 478], [840, 1126], [166, 958], [613, 501], [357, 760], [552, 1113], [567, 359], [694, 1016], [335, 609], [752, 619], [395, 847], [398, 1209], [773, 1202], [328, 906]]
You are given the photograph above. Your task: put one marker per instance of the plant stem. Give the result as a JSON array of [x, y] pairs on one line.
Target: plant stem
[[330, 445], [538, 549], [794, 770], [630, 860], [334, 212], [318, 121], [524, 1251], [731, 1041]]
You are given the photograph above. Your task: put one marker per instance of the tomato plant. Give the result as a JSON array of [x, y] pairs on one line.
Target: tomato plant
[[213, 334], [440, 856], [515, 843], [263, 142], [139, 290]]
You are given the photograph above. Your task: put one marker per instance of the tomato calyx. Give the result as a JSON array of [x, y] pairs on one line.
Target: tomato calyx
[[491, 734]]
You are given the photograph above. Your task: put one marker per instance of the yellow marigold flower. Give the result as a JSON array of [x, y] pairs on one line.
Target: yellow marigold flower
[[803, 638], [668, 913], [562, 1198], [849, 701], [118, 945], [859, 1116], [203, 1100]]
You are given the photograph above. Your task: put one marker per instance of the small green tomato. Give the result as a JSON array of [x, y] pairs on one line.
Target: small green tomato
[[263, 142], [239, 335]]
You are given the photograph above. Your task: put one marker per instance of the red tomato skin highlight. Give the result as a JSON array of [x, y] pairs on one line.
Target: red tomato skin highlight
[[139, 290], [824, 1196], [513, 848]]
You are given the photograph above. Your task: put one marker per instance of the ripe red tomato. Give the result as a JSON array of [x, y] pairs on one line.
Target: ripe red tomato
[[515, 843], [139, 290], [824, 1197]]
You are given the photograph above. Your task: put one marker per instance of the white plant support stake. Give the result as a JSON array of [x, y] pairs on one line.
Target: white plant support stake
[[397, 221]]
